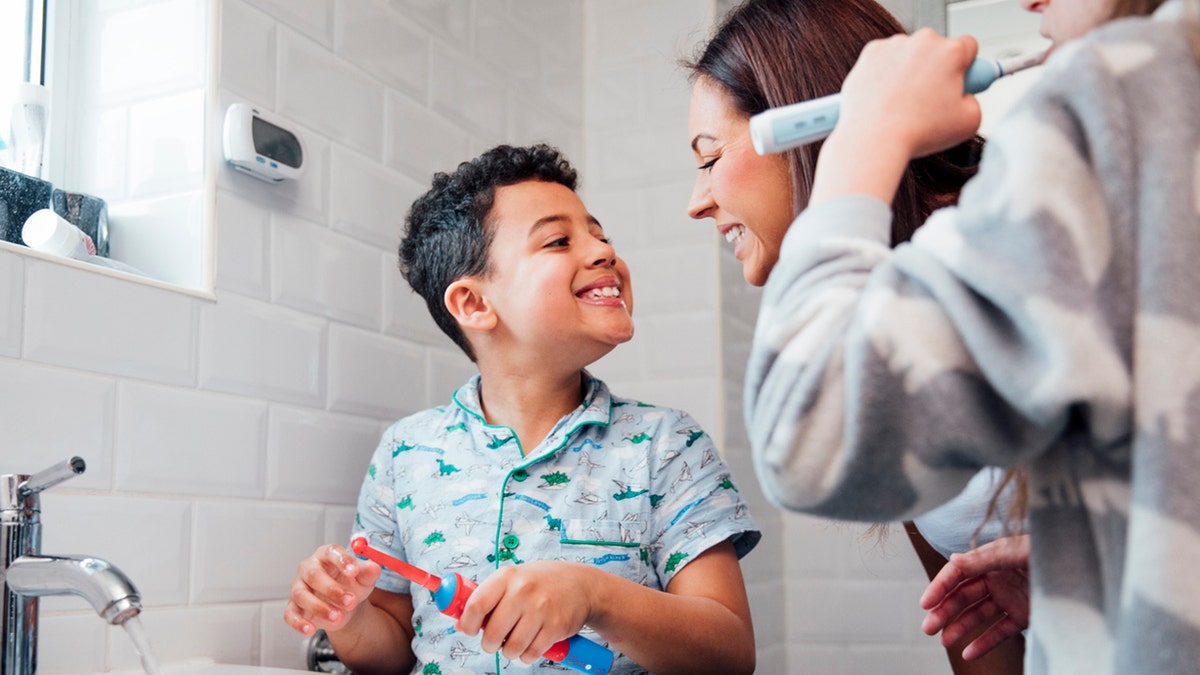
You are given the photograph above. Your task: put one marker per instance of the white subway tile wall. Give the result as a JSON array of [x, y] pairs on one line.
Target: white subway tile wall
[[317, 456], [249, 551], [243, 242], [49, 414], [77, 319], [147, 537], [87, 638], [214, 442], [12, 297], [248, 53], [257, 349], [373, 374], [224, 633], [319, 89], [279, 646], [375, 38], [226, 438], [421, 142], [326, 273], [405, 313], [368, 201]]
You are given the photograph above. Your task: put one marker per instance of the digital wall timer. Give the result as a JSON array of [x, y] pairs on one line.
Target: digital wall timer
[[261, 145]]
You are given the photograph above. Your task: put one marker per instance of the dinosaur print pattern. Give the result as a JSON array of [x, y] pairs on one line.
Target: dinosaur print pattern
[[623, 492]]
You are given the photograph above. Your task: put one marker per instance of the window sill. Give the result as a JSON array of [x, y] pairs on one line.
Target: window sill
[[116, 274]]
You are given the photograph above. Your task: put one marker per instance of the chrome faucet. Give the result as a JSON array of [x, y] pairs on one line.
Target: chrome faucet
[[27, 574]]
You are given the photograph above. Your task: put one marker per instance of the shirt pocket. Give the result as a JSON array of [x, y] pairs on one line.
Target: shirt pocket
[[611, 545]]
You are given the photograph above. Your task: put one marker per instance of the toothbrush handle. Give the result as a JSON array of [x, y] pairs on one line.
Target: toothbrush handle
[[980, 75], [576, 652], [786, 127], [790, 126]]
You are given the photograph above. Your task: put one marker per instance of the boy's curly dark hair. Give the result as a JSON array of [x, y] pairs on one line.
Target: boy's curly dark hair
[[447, 235]]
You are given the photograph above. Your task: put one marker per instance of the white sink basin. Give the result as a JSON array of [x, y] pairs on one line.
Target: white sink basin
[[210, 667]]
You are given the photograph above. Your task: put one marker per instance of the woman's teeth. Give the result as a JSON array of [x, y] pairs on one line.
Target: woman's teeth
[[735, 234], [603, 292]]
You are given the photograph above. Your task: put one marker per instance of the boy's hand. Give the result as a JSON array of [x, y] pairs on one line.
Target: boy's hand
[[329, 585], [909, 89], [529, 607]]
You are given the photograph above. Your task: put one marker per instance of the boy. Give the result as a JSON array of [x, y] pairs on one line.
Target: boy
[[608, 513]]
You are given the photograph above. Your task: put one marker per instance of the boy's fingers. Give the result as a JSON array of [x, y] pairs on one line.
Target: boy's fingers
[[537, 647], [518, 640], [311, 607], [341, 561], [294, 618], [318, 583], [367, 573], [482, 602]]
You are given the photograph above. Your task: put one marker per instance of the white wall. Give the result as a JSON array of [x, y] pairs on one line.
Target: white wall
[[226, 439]]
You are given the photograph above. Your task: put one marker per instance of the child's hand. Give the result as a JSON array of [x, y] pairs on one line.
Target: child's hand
[[329, 585], [529, 607], [908, 90]]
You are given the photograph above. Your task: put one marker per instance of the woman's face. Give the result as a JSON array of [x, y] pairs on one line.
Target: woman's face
[[1065, 20], [748, 196]]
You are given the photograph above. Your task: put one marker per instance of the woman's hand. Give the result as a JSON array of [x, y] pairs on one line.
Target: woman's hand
[[987, 586], [329, 585], [529, 607]]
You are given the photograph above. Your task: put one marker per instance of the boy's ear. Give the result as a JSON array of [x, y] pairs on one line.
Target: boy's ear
[[469, 306]]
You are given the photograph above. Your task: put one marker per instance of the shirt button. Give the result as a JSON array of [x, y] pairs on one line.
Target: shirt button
[[510, 541], [520, 475]]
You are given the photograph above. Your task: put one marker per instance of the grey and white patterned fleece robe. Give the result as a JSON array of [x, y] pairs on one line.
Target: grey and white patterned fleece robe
[[1053, 319]]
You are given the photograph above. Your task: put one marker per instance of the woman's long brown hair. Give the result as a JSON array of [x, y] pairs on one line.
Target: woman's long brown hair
[[769, 53]]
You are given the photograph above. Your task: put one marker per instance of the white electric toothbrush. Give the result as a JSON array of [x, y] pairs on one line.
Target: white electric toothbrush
[[786, 127]]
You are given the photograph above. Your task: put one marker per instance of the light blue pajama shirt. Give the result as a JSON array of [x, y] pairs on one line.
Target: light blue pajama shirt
[[637, 490]]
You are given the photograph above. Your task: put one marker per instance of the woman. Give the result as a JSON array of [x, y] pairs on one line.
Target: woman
[[1059, 328], [769, 53]]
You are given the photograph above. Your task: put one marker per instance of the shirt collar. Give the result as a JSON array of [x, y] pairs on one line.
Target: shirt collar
[[596, 407]]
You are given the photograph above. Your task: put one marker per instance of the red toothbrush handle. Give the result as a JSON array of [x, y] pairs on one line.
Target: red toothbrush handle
[[576, 652], [411, 572]]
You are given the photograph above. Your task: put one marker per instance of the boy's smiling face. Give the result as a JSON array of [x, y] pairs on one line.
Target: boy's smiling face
[[555, 283]]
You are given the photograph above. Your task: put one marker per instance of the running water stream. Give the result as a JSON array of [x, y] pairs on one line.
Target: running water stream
[[141, 644]]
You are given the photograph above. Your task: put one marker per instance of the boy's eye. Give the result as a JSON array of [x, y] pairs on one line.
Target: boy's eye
[[707, 165], [561, 241]]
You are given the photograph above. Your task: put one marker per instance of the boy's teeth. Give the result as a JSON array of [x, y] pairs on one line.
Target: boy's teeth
[[604, 292], [735, 234]]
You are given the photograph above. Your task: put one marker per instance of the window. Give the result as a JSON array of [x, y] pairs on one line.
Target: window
[[22, 24], [22, 40], [129, 96]]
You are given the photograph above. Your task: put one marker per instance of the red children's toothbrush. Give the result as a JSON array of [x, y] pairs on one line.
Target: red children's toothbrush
[[450, 593]]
